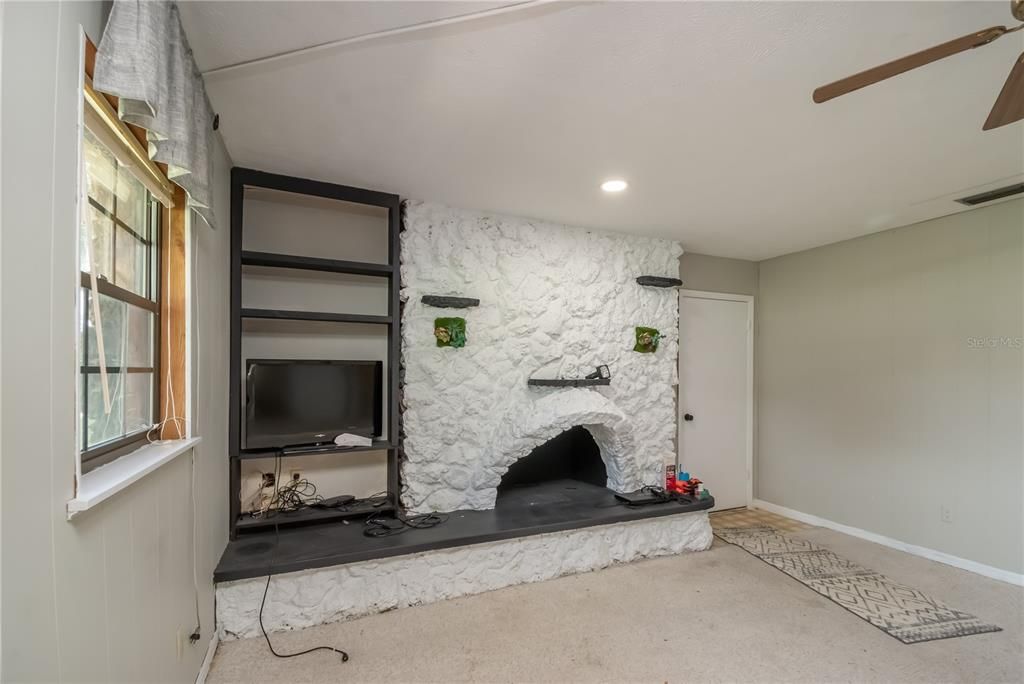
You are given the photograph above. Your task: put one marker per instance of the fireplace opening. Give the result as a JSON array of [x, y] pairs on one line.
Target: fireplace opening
[[572, 455]]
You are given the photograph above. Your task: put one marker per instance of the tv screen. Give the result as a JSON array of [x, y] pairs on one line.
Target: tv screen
[[297, 403]]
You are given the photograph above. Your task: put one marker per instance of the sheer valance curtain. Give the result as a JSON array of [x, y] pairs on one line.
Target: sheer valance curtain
[[145, 60]]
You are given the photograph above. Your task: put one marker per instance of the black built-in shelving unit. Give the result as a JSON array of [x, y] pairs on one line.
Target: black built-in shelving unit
[[241, 179]]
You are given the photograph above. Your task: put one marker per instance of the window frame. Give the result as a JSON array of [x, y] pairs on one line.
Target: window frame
[[107, 451], [168, 282]]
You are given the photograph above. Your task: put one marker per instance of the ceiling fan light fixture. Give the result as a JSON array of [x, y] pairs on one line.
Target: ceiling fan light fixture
[[614, 185]]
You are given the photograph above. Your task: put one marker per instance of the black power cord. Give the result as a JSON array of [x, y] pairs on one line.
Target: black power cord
[[381, 526], [266, 588]]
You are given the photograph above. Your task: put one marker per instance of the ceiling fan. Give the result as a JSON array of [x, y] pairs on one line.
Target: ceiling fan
[[1009, 106]]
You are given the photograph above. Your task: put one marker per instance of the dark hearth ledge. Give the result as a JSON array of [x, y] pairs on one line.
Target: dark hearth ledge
[[538, 509]]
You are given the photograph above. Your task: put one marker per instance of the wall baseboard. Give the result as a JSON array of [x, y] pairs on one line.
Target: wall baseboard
[[930, 554], [211, 650]]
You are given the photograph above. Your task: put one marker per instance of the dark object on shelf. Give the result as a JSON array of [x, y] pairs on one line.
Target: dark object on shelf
[[601, 372], [568, 382], [241, 179], [335, 501], [445, 302], [644, 496], [659, 281]]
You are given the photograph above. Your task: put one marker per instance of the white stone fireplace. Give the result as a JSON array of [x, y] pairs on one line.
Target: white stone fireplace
[[554, 302]]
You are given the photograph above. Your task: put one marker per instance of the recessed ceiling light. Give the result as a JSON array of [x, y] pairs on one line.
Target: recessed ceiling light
[[614, 185]]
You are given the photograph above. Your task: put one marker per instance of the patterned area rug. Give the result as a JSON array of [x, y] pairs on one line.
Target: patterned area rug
[[896, 609]]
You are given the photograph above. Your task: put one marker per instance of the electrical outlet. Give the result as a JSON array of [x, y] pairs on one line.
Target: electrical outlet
[[295, 475], [268, 480], [947, 513]]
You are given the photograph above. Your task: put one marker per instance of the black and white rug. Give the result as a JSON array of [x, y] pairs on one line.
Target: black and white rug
[[896, 609]]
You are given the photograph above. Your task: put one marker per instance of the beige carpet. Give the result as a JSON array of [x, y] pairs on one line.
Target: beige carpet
[[722, 615]]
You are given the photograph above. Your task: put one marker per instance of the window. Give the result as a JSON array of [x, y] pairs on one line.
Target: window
[[119, 307]]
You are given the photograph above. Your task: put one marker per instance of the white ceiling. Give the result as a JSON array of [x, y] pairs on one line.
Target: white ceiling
[[705, 108]]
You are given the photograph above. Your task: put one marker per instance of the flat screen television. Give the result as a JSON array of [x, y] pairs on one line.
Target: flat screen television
[[300, 402]]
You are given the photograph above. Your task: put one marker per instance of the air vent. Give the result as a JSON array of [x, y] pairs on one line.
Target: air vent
[[992, 195]]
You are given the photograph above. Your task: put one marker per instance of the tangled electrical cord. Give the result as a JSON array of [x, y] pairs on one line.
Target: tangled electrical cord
[[290, 496], [295, 494], [380, 526]]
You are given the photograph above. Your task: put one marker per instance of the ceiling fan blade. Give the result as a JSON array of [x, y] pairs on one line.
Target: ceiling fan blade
[[904, 64], [1009, 106]]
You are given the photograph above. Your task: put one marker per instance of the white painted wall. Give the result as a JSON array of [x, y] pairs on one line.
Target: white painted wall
[[890, 384], [718, 274], [100, 598], [2, 5]]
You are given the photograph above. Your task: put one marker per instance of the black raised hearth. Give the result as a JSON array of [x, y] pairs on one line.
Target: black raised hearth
[[558, 486]]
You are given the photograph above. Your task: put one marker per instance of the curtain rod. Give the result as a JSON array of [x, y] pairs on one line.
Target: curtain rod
[[410, 28]]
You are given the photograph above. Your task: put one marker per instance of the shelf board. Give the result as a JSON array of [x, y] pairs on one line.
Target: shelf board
[[305, 263], [568, 382], [378, 445], [659, 281], [313, 515], [288, 315]]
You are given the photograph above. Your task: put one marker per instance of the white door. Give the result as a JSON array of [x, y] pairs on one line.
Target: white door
[[715, 384]]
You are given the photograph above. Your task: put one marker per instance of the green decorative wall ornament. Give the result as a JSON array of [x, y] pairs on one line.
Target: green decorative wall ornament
[[450, 332], [647, 340]]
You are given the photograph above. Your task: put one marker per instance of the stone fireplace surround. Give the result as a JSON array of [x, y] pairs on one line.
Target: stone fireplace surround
[[554, 302]]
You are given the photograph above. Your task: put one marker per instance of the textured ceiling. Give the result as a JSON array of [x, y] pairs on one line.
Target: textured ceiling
[[705, 108]]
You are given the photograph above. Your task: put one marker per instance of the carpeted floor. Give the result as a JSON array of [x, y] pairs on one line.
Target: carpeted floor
[[721, 615]]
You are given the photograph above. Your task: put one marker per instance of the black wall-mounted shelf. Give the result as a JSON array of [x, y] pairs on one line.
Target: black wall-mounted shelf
[[378, 445], [241, 179], [446, 302], [568, 382], [659, 281], [290, 315], [305, 263]]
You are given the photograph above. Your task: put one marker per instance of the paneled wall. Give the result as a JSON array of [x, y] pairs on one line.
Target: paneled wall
[[101, 598]]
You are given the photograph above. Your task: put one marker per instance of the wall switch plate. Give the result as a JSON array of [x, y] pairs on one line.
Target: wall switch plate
[[947, 513]]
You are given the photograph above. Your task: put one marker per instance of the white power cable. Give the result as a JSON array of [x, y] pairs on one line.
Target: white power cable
[[195, 336], [409, 28]]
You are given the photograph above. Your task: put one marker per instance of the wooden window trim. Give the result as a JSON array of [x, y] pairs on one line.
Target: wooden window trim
[[172, 302]]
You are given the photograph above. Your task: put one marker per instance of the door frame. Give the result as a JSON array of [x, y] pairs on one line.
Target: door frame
[[749, 301]]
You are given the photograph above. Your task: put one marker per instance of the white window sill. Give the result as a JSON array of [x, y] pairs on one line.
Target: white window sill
[[99, 485]]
